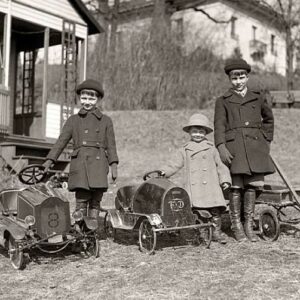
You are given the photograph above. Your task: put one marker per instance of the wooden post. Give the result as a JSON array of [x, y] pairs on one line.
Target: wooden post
[[85, 45], [6, 46], [45, 80]]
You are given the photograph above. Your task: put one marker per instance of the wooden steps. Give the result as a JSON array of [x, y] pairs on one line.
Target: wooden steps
[[19, 151]]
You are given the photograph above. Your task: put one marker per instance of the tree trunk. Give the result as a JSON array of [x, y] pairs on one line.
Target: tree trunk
[[289, 60]]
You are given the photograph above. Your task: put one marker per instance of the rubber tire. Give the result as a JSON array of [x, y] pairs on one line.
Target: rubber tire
[[145, 224], [16, 259], [264, 226]]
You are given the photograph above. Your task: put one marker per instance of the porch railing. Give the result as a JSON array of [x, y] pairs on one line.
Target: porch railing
[[4, 111]]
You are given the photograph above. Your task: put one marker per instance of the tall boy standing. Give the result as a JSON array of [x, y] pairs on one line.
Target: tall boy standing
[[244, 127]]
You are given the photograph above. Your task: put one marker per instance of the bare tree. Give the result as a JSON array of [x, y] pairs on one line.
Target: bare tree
[[287, 13]]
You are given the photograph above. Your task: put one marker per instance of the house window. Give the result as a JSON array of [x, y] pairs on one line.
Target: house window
[[254, 28], [272, 43], [233, 27]]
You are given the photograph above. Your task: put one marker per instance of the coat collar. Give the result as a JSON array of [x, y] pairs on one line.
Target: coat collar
[[96, 112], [198, 147], [235, 98]]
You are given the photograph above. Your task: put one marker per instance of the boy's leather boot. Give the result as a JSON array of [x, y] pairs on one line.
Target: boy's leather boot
[[216, 220], [235, 215], [249, 205]]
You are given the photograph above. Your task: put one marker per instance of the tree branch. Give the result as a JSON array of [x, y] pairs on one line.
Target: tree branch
[[212, 18]]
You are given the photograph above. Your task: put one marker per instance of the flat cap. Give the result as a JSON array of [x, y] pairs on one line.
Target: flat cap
[[236, 64], [91, 84]]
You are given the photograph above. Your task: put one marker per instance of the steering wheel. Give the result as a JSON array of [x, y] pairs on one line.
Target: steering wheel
[[32, 174], [153, 174]]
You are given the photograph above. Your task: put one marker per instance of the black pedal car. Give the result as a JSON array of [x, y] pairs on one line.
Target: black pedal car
[[156, 206], [38, 217]]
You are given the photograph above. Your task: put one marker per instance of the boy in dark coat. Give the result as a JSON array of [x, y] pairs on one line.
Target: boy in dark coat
[[244, 127], [94, 149]]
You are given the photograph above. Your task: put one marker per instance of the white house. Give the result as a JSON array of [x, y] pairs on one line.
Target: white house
[[225, 26], [28, 122]]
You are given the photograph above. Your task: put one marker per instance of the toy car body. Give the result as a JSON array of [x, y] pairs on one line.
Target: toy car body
[[38, 216], [155, 206]]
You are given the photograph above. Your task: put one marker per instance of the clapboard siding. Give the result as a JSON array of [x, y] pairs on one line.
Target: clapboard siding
[[61, 8], [3, 6], [53, 120], [38, 17]]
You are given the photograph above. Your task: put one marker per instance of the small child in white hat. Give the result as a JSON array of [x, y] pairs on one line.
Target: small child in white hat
[[206, 175]]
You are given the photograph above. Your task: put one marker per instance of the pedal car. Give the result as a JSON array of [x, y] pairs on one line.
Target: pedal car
[[38, 217], [156, 206]]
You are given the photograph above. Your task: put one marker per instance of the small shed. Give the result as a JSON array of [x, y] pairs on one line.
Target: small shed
[[29, 124]]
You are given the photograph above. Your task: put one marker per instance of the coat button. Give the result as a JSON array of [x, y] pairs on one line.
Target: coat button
[[247, 123], [97, 143], [86, 131], [204, 156], [204, 182], [84, 143], [204, 169], [97, 157]]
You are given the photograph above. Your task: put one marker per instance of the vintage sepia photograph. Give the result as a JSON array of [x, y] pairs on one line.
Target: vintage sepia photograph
[[150, 149]]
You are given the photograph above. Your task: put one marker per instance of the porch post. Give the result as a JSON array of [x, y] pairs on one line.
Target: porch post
[[45, 80], [84, 54], [6, 46]]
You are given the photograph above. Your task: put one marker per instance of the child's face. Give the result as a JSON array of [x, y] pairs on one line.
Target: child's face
[[238, 79], [88, 99], [197, 133]]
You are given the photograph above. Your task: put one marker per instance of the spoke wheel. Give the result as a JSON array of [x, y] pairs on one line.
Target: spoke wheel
[[269, 226], [147, 237], [16, 255], [204, 234], [91, 246], [109, 230]]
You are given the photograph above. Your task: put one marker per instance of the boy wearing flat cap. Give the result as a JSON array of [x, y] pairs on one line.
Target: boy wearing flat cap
[[206, 175], [94, 149], [244, 127]]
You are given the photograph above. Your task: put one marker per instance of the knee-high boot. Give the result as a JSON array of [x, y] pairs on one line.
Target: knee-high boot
[[235, 215], [249, 205]]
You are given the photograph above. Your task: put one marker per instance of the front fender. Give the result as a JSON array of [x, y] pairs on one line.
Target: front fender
[[11, 227], [114, 218], [91, 223]]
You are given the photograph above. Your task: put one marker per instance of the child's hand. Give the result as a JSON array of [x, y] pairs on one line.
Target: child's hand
[[225, 185]]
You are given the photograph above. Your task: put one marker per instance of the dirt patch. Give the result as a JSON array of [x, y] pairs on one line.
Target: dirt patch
[[261, 270]]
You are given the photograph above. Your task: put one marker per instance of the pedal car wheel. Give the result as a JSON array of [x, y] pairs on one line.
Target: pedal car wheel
[[92, 246], [147, 237], [108, 227], [204, 234], [16, 255], [269, 226]]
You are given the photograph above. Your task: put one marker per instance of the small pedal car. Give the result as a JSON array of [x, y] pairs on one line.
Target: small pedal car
[[38, 217], [156, 206]]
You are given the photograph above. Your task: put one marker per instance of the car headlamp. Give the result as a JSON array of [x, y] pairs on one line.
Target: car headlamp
[[77, 215], [155, 219], [30, 220]]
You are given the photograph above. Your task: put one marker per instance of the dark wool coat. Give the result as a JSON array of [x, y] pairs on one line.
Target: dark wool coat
[[246, 126], [94, 149]]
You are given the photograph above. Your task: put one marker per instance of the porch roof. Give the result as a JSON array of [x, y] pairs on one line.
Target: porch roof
[[93, 25]]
